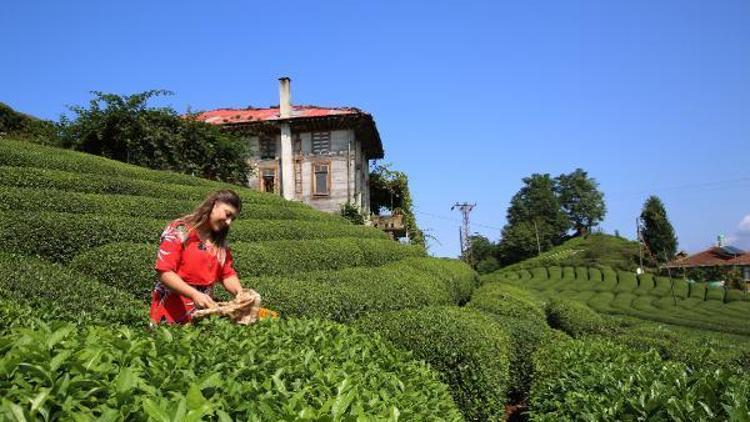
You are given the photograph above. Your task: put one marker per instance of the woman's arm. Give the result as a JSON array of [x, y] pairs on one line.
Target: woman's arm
[[232, 284], [176, 283]]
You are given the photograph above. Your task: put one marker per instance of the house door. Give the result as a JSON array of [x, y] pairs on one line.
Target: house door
[[268, 180]]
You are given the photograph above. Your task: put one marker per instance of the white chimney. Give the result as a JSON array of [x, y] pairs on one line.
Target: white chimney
[[285, 97]]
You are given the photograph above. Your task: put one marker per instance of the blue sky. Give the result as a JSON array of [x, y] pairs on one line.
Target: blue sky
[[650, 97]]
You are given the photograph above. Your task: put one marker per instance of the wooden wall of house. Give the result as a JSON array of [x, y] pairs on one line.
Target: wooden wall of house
[[352, 182]]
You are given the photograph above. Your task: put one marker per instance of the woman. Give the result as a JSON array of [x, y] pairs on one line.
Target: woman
[[193, 255]]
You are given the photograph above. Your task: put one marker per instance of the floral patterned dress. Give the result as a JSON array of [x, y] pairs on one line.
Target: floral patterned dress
[[197, 263]]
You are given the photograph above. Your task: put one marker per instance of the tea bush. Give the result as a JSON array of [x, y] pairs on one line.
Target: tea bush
[[575, 319], [600, 380], [12, 199], [57, 293], [129, 266], [274, 370], [61, 236], [468, 348]]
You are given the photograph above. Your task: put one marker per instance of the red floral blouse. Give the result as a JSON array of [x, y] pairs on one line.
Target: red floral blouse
[[198, 264]]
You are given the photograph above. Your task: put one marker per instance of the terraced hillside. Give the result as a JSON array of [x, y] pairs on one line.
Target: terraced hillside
[[370, 329], [79, 237], [618, 292]]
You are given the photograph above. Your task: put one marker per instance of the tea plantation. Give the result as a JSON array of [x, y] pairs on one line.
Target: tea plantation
[[370, 329]]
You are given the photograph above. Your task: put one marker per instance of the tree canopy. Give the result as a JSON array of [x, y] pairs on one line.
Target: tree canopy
[[581, 200], [389, 190], [657, 232], [126, 128]]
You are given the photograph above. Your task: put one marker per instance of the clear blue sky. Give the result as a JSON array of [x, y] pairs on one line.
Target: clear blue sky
[[650, 97]]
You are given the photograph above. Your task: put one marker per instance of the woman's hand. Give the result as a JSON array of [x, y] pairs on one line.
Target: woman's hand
[[203, 300]]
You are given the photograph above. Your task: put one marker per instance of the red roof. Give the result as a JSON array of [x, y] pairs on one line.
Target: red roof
[[251, 114], [712, 257]]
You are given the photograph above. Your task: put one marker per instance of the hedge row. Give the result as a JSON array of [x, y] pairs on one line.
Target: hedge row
[[458, 278], [600, 380], [522, 318], [129, 266], [575, 318], [61, 236], [273, 370], [467, 347], [36, 178], [506, 300], [58, 293], [347, 294], [25, 154], [14, 199]]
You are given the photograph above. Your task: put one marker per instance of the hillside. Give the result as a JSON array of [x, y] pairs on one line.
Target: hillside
[[587, 251], [369, 330]]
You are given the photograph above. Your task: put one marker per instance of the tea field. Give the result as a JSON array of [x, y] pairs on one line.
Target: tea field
[[370, 329]]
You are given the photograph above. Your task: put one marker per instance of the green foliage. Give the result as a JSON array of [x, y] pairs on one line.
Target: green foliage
[[347, 294], [274, 370], [125, 128], [351, 213], [657, 231], [534, 216], [22, 126], [12, 199], [58, 293], [482, 254], [129, 266], [654, 299], [522, 318], [61, 236], [587, 251], [468, 348], [575, 319], [600, 380], [581, 200], [389, 189]]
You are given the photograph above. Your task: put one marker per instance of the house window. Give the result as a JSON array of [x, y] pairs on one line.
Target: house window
[[321, 143], [297, 145], [746, 273], [267, 148], [268, 180], [322, 179]]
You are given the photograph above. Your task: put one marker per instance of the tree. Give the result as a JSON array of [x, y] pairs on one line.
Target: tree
[[389, 190], [535, 220], [581, 200], [126, 128], [658, 233], [482, 253]]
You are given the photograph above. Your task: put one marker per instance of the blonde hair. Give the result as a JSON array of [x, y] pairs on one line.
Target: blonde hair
[[202, 213]]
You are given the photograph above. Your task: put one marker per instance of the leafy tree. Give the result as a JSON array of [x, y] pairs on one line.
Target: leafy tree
[[535, 220], [482, 252], [389, 190], [658, 233], [126, 128], [581, 200]]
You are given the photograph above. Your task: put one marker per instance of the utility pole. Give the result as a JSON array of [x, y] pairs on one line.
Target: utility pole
[[465, 209], [538, 245], [640, 244]]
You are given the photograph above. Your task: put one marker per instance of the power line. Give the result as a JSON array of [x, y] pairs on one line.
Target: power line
[[455, 220]]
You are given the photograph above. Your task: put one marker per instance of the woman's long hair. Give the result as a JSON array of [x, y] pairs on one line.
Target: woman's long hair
[[200, 216]]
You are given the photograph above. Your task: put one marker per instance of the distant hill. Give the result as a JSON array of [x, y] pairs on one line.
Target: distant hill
[[587, 251]]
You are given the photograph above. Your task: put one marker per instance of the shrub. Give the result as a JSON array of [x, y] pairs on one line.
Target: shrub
[[14, 199], [506, 300], [468, 348], [57, 293], [129, 266], [523, 319], [458, 277], [597, 380], [575, 319], [347, 294], [273, 370], [61, 236]]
